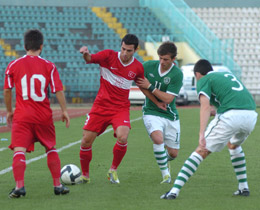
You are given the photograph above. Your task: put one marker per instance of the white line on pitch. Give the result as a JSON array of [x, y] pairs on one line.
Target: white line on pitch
[[3, 148], [4, 171]]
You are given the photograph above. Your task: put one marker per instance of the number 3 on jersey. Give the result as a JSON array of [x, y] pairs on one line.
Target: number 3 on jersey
[[31, 84], [234, 79]]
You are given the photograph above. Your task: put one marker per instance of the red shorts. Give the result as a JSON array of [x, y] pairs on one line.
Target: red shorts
[[26, 134], [99, 119]]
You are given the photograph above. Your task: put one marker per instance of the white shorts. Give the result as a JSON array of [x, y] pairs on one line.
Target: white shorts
[[169, 128], [233, 126]]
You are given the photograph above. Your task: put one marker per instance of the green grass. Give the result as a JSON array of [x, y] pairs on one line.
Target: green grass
[[211, 187]]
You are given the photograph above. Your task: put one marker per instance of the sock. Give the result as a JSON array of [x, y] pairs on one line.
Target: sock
[[119, 151], [85, 156], [161, 158], [239, 163], [188, 169], [53, 162], [19, 166]]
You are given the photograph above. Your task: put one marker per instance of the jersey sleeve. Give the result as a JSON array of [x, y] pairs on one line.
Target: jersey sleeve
[[141, 72], [56, 84], [101, 56], [175, 84], [203, 87], [9, 81]]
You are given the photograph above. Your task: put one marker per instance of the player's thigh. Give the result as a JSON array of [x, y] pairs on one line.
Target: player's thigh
[[153, 123], [218, 134], [121, 124], [172, 134], [245, 123], [46, 135], [96, 122], [22, 135]]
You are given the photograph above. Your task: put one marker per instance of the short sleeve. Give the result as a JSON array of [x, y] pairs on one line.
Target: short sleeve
[[175, 84], [204, 87], [56, 84], [9, 81]]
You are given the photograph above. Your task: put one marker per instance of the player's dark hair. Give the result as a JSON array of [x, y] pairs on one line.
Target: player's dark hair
[[33, 39], [167, 48], [203, 66], [130, 39]]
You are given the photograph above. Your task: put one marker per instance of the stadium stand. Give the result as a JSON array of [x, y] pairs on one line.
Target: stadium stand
[[242, 25], [66, 29], [214, 33]]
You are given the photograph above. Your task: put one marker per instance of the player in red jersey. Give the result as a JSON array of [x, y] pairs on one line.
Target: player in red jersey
[[32, 119], [111, 106]]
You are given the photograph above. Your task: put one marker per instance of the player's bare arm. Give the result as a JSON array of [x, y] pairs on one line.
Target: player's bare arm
[[86, 54], [145, 84], [205, 109], [159, 104], [8, 104], [61, 99]]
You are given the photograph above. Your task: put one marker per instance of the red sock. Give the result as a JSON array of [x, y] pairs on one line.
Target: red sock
[[53, 162], [19, 166], [85, 156], [119, 151]]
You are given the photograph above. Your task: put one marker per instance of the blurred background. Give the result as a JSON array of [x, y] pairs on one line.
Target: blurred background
[[225, 32]]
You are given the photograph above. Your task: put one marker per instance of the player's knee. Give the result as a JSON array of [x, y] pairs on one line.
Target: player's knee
[[173, 154], [202, 152], [122, 139]]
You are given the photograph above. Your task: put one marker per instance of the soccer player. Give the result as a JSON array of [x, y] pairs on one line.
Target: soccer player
[[234, 121], [164, 79], [32, 119], [111, 106]]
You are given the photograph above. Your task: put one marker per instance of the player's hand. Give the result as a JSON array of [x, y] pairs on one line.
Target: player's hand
[[65, 117], [84, 50], [143, 83], [162, 105], [212, 111], [9, 119]]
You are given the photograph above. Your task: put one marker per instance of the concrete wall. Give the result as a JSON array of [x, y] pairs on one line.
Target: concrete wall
[[75, 3]]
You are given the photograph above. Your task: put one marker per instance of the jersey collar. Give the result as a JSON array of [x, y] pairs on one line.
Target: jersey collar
[[166, 72], [123, 63]]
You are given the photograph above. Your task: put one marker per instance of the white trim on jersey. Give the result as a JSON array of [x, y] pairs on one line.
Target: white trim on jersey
[[122, 62], [7, 72], [166, 72], [52, 80], [115, 80], [203, 93], [175, 94]]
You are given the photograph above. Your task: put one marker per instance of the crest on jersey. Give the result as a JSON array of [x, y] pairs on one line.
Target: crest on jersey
[[131, 74], [166, 80], [151, 74]]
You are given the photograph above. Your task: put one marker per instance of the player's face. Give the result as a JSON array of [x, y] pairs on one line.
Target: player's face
[[127, 52], [166, 62]]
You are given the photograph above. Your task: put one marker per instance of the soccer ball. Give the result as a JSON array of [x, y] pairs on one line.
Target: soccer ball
[[70, 174]]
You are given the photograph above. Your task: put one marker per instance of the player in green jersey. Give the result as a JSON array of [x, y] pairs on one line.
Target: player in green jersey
[[234, 121], [164, 80]]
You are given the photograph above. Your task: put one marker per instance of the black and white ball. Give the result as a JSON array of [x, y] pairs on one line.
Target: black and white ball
[[70, 174]]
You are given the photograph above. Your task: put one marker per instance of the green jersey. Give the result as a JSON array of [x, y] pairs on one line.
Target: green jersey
[[225, 92], [169, 82]]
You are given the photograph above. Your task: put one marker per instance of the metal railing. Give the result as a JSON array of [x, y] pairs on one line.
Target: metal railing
[[186, 26]]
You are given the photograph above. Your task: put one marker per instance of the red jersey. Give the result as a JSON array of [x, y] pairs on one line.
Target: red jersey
[[116, 79], [31, 76]]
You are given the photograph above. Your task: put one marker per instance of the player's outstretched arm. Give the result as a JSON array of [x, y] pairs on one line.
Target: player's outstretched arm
[[62, 101], [86, 54], [8, 105]]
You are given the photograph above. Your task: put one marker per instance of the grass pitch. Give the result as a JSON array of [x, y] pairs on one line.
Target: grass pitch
[[211, 187]]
